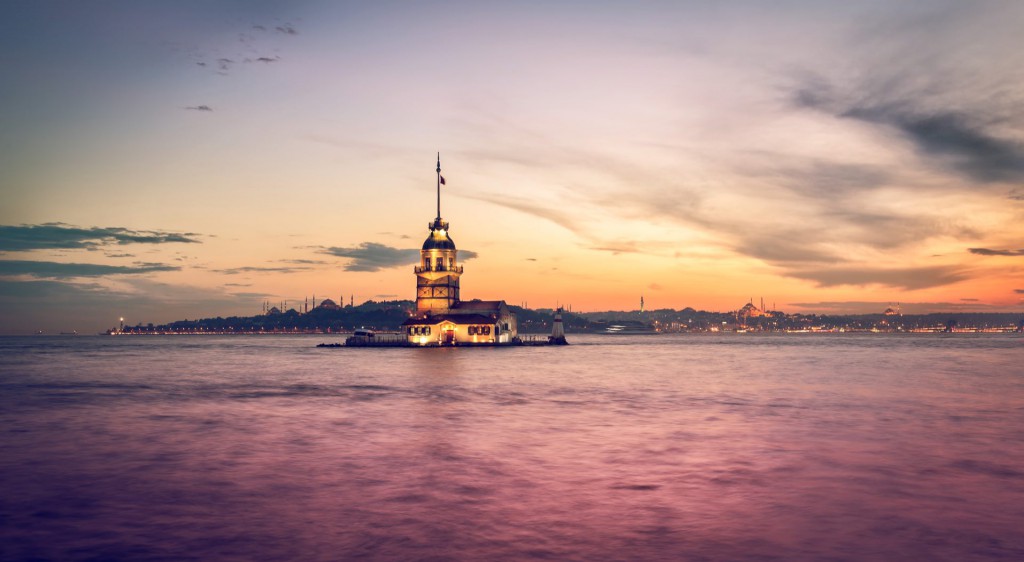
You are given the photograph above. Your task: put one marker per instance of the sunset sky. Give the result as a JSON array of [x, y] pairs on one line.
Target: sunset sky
[[170, 160]]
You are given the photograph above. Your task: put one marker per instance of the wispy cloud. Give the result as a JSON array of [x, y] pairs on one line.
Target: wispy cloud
[[62, 236], [962, 141], [557, 216], [905, 278], [991, 252], [253, 46], [199, 108], [57, 270], [246, 295], [260, 269], [303, 262]]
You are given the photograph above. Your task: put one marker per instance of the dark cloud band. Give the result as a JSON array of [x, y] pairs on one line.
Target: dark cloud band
[[57, 270], [991, 252], [52, 236], [371, 256]]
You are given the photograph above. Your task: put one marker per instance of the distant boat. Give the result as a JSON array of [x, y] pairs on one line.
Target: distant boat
[[627, 327], [71, 333]]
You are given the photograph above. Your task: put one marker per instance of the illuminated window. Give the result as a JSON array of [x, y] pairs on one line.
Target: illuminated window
[[439, 264]]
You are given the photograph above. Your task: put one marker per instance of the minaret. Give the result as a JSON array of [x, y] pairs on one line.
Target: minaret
[[437, 275]]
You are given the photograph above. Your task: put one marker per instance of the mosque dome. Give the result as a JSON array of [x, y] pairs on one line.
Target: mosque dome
[[439, 239]]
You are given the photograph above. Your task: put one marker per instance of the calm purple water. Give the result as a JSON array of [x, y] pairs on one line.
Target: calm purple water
[[738, 447]]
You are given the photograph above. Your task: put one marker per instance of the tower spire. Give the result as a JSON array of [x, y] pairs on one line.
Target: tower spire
[[439, 180]]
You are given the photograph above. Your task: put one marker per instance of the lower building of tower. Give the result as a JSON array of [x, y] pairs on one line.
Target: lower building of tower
[[467, 323]]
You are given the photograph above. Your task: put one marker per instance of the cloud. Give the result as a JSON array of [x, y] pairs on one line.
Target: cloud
[[556, 216], [786, 246], [371, 256], [258, 269], [52, 236], [238, 284], [268, 59], [57, 270], [1019, 291], [945, 113], [900, 278], [199, 108], [304, 262], [287, 29], [816, 177], [990, 252], [617, 248], [954, 136]]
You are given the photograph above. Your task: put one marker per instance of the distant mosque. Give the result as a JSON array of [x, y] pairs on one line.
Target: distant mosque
[[441, 317]]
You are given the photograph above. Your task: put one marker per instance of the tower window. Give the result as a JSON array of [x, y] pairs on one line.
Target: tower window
[[439, 264]]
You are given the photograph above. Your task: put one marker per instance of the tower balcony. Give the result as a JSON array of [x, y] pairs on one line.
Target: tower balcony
[[420, 269]]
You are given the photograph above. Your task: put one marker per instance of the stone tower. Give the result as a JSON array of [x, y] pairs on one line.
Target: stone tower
[[437, 275]]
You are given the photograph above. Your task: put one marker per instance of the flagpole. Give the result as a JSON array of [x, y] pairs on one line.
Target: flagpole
[[438, 186]]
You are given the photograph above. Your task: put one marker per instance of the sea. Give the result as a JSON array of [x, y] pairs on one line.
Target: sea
[[632, 447]]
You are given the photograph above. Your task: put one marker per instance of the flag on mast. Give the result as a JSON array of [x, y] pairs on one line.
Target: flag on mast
[[442, 179]]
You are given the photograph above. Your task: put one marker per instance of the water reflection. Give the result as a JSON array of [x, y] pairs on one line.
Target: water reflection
[[643, 448]]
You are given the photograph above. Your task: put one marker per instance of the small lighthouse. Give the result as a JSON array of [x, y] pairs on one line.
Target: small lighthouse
[[557, 336]]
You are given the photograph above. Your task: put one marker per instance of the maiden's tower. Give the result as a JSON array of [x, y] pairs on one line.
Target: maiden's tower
[[442, 317]]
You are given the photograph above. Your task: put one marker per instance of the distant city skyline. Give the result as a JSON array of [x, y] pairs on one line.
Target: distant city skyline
[[190, 160]]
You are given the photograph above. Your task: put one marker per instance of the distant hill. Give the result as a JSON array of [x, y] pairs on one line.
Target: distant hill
[[389, 315]]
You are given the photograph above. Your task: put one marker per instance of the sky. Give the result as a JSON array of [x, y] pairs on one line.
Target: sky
[[170, 160]]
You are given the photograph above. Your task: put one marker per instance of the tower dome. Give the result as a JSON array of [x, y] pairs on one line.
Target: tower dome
[[438, 238]]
